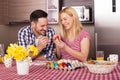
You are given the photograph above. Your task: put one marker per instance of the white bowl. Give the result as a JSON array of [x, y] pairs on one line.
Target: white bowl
[[102, 67]]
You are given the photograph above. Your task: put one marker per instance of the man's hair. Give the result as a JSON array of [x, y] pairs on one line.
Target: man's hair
[[37, 14]]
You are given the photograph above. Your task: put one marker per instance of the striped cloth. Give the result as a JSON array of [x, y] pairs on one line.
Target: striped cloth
[[38, 72]]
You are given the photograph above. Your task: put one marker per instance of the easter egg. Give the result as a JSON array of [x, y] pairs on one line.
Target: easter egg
[[60, 65], [56, 38], [47, 63], [68, 64], [55, 64], [51, 64], [64, 64]]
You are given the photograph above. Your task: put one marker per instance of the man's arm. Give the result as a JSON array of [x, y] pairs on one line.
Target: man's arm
[[22, 39], [50, 48], [41, 57]]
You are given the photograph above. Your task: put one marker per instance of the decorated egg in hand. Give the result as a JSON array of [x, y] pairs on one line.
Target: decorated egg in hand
[[56, 38]]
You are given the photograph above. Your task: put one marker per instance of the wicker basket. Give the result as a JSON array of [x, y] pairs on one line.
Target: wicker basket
[[101, 68]]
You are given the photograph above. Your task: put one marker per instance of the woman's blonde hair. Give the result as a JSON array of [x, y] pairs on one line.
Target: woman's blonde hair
[[76, 22]]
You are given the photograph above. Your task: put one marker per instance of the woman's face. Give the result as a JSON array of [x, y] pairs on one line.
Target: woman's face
[[67, 21]]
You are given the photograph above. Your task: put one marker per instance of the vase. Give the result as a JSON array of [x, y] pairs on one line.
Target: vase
[[22, 67]]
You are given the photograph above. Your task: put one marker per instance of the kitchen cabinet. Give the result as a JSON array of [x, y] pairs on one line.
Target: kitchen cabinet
[[53, 11], [87, 3], [20, 10], [3, 11]]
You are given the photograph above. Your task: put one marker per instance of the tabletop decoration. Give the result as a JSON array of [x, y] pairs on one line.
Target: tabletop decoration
[[100, 67], [64, 64], [22, 56], [7, 62], [1, 52]]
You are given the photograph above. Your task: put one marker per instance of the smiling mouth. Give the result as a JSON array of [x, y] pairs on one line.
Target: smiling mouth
[[43, 32]]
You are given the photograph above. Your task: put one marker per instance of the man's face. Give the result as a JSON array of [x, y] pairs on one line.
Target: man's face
[[40, 27]]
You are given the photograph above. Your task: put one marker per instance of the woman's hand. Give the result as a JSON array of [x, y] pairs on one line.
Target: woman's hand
[[57, 40], [56, 37]]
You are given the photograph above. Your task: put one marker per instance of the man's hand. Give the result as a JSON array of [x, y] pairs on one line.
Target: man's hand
[[42, 43]]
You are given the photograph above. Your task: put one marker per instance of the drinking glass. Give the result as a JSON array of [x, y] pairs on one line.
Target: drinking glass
[[100, 55], [1, 51]]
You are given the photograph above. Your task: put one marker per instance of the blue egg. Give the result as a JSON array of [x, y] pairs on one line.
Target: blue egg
[[55, 64], [96, 62], [68, 64]]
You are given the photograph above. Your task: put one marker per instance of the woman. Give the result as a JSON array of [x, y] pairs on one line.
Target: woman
[[74, 42]]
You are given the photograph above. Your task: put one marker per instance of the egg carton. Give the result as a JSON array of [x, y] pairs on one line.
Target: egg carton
[[64, 64]]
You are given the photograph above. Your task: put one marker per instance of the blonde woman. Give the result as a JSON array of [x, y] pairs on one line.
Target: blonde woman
[[73, 42]]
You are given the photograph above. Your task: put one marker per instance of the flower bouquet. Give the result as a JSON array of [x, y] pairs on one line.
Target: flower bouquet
[[21, 54]]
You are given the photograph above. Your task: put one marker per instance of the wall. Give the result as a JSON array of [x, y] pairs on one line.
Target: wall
[[3, 11], [8, 34]]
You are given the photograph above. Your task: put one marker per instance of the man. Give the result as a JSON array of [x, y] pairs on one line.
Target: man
[[39, 34]]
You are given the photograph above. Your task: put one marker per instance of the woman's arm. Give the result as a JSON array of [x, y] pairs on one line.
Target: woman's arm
[[56, 39], [82, 56]]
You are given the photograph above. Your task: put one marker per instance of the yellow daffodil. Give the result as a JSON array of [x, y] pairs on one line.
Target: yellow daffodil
[[32, 50], [18, 52]]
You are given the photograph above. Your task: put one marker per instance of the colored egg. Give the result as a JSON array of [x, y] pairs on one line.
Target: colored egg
[[60, 65], [96, 62], [51, 64], [55, 64], [64, 64], [56, 38], [91, 62], [68, 64], [47, 63]]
